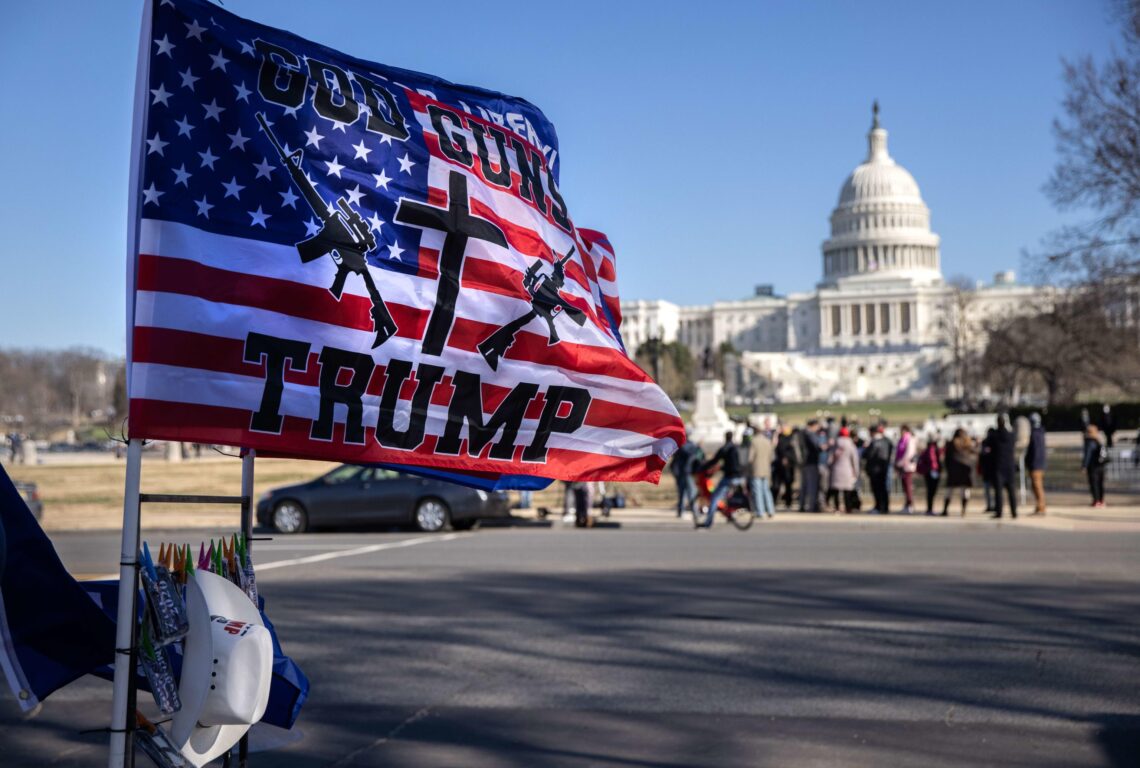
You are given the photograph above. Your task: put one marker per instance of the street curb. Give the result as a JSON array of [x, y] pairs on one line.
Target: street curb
[[663, 519]]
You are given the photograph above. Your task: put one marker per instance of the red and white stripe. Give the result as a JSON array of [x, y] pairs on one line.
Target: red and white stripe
[[198, 295]]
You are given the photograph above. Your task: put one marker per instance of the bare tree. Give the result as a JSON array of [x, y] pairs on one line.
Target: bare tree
[[1098, 169], [44, 389], [960, 330], [1090, 335], [1063, 348]]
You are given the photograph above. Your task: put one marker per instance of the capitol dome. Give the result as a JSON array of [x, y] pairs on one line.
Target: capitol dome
[[881, 226]]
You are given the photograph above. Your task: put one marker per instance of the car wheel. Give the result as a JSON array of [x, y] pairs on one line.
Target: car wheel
[[431, 515], [290, 517]]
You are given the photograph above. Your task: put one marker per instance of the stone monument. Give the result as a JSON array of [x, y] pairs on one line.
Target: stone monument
[[710, 420]]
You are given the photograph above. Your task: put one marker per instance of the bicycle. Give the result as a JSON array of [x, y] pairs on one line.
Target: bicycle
[[736, 506]]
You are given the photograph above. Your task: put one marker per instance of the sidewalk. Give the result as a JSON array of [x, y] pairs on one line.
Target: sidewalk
[[1060, 518]]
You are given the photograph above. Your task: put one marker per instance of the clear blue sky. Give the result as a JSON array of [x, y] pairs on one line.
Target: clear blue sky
[[709, 140]]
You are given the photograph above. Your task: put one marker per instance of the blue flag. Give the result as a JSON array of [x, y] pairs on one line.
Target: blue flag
[[54, 629]]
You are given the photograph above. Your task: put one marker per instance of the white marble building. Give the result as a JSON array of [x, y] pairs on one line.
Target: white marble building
[[879, 323]]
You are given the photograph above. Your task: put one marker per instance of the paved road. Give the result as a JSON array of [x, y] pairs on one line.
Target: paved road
[[788, 645]]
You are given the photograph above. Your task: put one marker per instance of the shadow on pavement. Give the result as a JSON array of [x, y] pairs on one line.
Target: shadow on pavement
[[714, 667]]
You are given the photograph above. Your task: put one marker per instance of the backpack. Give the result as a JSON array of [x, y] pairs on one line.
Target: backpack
[[1103, 456]]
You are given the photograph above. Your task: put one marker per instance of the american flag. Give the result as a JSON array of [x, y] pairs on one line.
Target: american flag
[[332, 258]]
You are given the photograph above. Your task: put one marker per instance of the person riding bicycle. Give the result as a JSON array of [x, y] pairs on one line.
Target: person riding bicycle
[[729, 459]]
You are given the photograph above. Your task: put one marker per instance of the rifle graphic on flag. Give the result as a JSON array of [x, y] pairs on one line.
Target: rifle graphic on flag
[[344, 236], [545, 301]]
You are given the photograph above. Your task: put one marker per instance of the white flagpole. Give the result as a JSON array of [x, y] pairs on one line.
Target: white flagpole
[[128, 556], [138, 134], [128, 575], [247, 512]]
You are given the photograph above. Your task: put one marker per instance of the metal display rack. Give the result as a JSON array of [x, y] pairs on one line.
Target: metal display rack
[[125, 692]]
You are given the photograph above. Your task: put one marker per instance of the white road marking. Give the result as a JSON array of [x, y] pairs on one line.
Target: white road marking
[[259, 568], [278, 545], [327, 555]]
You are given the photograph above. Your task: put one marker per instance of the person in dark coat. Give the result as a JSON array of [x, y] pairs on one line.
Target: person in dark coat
[[685, 461], [1093, 461], [960, 457], [784, 470], [809, 470], [1005, 467], [1035, 461], [728, 457], [877, 462]]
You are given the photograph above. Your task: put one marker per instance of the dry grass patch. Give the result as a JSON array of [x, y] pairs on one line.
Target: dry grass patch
[[90, 496]]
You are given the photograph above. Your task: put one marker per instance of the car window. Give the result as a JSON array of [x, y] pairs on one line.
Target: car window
[[385, 474], [342, 474]]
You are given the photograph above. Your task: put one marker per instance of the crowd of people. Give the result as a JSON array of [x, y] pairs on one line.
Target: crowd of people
[[834, 465]]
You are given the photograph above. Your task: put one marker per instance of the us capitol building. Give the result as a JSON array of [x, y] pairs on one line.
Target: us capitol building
[[881, 323]]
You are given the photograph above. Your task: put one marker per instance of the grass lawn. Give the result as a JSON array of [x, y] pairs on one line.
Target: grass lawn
[[89, 496], [902, 412]]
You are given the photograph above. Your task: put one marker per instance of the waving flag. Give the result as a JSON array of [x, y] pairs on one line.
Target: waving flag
[[338, 259]]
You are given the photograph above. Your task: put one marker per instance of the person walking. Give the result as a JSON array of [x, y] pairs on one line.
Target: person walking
[[844, 471], [929, 465], [685, 461], [760, 455], [1093, 461], [728, 457], [906, 463], [784, 473], [1035, 462], [1004, 467], [960, 457], [877, 461], [809, 469]]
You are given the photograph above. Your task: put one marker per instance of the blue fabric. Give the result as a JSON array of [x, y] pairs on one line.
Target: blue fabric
[[722, 490], [57, 633], [484, 482], [761, 496], [62, 629], [686, 493]]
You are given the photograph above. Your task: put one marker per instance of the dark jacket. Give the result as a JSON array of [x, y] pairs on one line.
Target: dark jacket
[[786, 452], [877, 457], [729, 458], [960, 459], [1035, 451], [809, 447], [1005, 465], [987, 459], [1091, 458], [685, 459]]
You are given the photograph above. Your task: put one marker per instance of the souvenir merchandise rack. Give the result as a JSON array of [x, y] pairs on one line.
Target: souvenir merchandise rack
[[124, 698]]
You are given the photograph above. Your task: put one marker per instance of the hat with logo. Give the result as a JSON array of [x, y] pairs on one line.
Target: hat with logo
[[227, 666]]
